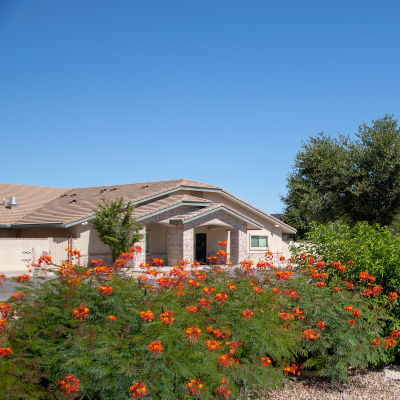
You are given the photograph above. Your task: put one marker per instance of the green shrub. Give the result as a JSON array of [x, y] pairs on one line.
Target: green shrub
[[249, 317], [371, 249]]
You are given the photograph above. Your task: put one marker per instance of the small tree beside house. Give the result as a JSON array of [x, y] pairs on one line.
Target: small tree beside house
[[115, 225]]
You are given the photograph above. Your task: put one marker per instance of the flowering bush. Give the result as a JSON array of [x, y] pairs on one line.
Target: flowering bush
[[184, 333]]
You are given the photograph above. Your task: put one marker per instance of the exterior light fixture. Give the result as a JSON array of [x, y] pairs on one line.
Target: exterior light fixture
[[84, 223], [277, 226]]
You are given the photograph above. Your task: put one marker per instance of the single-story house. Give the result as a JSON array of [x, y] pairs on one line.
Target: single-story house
[[182, 220]]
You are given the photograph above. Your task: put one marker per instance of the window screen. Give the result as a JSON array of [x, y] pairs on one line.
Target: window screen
[[259, 241]]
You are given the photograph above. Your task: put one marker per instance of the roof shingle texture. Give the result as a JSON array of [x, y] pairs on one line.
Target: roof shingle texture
[[71, 205]]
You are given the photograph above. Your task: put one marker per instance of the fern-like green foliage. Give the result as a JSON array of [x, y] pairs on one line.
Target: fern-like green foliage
[[49, 341]]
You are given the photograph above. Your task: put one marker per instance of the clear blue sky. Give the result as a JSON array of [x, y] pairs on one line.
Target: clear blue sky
[[108, 92]]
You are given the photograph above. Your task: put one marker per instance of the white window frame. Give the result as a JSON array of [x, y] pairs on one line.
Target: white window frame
[[258, 248]]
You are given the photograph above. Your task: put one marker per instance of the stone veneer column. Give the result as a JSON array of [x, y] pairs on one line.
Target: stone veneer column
[[188, 242], [175, 245], [238, 242], [140, 257]]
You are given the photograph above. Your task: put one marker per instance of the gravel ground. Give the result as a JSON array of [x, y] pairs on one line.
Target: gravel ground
[[368, 384]]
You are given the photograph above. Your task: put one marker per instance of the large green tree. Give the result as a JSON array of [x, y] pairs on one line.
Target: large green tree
[[115, 225], [345, 179]]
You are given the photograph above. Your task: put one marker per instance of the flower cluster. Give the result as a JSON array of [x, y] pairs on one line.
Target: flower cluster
[[364, 276], [5, 308], [310, 334], [24, 277], [221, 297], [321, 325], [167, 317], [213, 344], [266, 361], [69, 385], [391, 341], [105, 290], [192, 309], [18, 296], [231, 286], [193, 333], [204, 303], [155, 347], [292, 369], [392, 297], [247, 314], [224, 390], [226, 360], [194, 387], [4, 352], [112, 317], [81, 313], [138, 390], [147, 315]]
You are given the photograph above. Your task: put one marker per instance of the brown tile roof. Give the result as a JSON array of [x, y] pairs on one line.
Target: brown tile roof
[[43, 205], [29, 198], [77, 204]]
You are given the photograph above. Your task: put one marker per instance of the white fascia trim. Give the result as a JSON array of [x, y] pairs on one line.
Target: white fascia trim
[[183, 203], [79, 221], [197, 189], [224, 209]]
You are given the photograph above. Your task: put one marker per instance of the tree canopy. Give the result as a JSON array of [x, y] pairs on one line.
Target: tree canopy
[[115, 225], [345, 179]]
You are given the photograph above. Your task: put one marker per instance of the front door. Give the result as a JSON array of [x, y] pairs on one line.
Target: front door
[[200, 248]]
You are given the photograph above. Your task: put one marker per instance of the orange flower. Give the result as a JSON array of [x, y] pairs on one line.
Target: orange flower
[[292, 369], [17, 296], [233, 346], [226, 360], [3, 323], [336, 289], [147, 316], [392, 297], [194, 387], [193, 333], [376, 342], [112, 317], [224, 389], [208, 290], [266, 361], [5, 351], [81, 313], [356, 313], [294, 295], [341, 268], [310, 260], [320, 264], [349, 308], [70, 385], [321, 325], [167, 317], [138, 390], [364, 276], [247, 314], [213, 344], [231, 286], [192, 309], [258, 289], [105, 290], [321, 284], [352, 322], [377, 290], [297, 313], [155, 347], [350, 286], [286, 316], [281, 258], [204, 303], [310, 334], [24, 277], [221, 297], [223, 243]]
